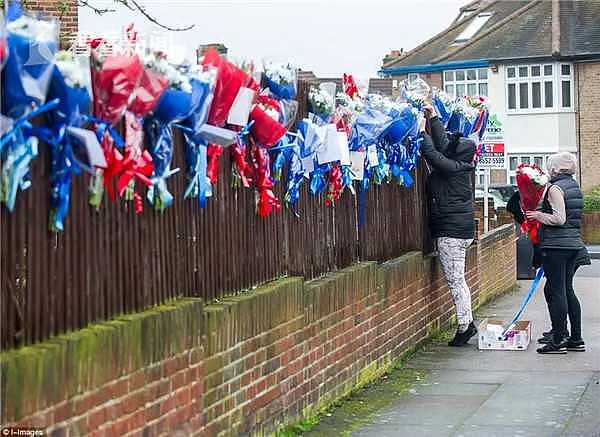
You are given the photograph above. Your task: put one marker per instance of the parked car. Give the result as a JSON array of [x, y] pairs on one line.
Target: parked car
[[505, 191], [499, 201]]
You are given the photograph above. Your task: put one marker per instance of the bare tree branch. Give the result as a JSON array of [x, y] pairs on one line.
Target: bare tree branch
[[134, 5]]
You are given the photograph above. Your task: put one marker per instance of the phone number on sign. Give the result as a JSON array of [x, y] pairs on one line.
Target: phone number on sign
[[488, 161]]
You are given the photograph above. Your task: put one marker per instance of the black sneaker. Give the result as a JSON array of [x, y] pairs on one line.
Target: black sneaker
[[547, 333], [575, 345], [545, 339], [553, 349], [462, 338]]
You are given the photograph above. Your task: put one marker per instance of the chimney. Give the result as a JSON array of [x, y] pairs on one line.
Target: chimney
[[219, 47], [393, 55], [555, 28]]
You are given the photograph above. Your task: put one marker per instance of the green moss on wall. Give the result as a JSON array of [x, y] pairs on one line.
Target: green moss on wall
[[47, 373]]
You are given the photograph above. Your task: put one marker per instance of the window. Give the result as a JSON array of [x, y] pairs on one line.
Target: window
[[536, 95], [530, 88], [566, 83], [515, 160], [524, 95], [473, 27], [412, 77], [471, 82]]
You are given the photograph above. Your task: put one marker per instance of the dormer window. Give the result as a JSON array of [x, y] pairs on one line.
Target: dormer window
[[474, 26]]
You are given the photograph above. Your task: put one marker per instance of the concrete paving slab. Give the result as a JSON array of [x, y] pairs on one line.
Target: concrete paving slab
[[509, 431], [467, 392]]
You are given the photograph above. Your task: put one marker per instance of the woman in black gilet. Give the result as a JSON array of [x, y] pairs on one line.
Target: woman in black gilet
[[560, 244]]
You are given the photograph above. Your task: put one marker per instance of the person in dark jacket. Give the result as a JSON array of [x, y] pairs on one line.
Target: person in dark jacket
[[560, 214], [452, 215]]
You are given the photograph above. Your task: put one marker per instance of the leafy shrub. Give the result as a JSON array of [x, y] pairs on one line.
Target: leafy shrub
[[591, 200]]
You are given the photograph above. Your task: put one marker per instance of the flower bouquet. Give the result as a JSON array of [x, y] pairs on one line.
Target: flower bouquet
[[350, 88], [321, 103], [405, 122], [70, 85], [28, 51], [230, 80], [267, 202], [179, 101], [281, 80], [32, 44], [532, 182], [414, 92], [196, 145], [443, 105], [114, 80], [266, 128], [137, 164], [464, 117]]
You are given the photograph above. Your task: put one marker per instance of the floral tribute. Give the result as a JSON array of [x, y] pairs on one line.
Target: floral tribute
[[348, 141], [532, 182]]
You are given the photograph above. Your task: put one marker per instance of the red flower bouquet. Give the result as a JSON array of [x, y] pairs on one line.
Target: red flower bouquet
[[229, 81], [150, 88], [114, 80], [531, 181]]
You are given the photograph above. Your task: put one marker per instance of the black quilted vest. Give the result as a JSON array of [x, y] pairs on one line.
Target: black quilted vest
[[567, 236]]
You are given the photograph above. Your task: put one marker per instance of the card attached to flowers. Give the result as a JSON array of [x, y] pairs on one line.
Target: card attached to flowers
[[335, 146], [357, 165], [240, 110]]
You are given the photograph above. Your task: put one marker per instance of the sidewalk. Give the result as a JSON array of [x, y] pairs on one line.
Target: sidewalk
[[467, 392]]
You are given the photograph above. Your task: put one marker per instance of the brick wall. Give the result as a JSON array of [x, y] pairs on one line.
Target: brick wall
[[590, 227], [588, 85], [248, 364]]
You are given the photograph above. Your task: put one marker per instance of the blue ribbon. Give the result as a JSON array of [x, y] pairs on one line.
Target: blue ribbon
[[18, 147], [532, 289], [102, 127], [196, 157]]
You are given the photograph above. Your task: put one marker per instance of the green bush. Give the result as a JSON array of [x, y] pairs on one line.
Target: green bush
[[591, 200]]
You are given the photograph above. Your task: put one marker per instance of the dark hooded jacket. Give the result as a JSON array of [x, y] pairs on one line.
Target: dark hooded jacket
[[450, 184]]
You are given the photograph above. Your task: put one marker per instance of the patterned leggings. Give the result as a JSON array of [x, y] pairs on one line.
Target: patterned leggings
[[452, 256]]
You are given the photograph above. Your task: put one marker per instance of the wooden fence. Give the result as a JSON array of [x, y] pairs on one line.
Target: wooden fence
[[112, 262]]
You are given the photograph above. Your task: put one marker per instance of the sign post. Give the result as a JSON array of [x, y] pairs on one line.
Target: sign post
[[493, 158]]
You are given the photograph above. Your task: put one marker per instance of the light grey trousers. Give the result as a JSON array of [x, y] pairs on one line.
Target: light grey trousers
[[453, 252]]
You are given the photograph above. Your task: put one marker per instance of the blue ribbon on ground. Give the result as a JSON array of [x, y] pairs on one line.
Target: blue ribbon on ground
[[532, 289]]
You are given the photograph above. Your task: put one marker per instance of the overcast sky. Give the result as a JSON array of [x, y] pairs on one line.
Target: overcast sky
[[329, 37]]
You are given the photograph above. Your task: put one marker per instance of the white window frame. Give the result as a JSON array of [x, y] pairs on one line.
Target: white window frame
[[473, 27], [556, 78], [477, 81]]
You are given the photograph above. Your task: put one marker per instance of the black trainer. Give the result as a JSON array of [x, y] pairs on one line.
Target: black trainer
[[575, 345], [462, 338], [545, 339], [553, 348]]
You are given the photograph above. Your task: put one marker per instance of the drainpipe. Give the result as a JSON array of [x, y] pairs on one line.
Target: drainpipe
[[578, 112]]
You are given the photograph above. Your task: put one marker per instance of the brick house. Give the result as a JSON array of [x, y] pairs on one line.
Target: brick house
[[539, 64]]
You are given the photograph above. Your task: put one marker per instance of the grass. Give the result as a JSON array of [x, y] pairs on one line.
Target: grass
[[360, 406]]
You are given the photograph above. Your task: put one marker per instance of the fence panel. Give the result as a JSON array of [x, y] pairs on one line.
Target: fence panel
[[111, 261]]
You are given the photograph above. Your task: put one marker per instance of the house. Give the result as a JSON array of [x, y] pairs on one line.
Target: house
[[539, 64]]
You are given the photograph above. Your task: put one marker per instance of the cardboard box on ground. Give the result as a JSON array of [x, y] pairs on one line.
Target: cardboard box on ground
[[516, 339]]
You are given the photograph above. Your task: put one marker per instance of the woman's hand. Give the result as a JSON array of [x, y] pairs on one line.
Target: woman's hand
[[532, 215]]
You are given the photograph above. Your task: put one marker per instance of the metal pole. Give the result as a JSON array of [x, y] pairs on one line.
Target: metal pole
[[486, 210]]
